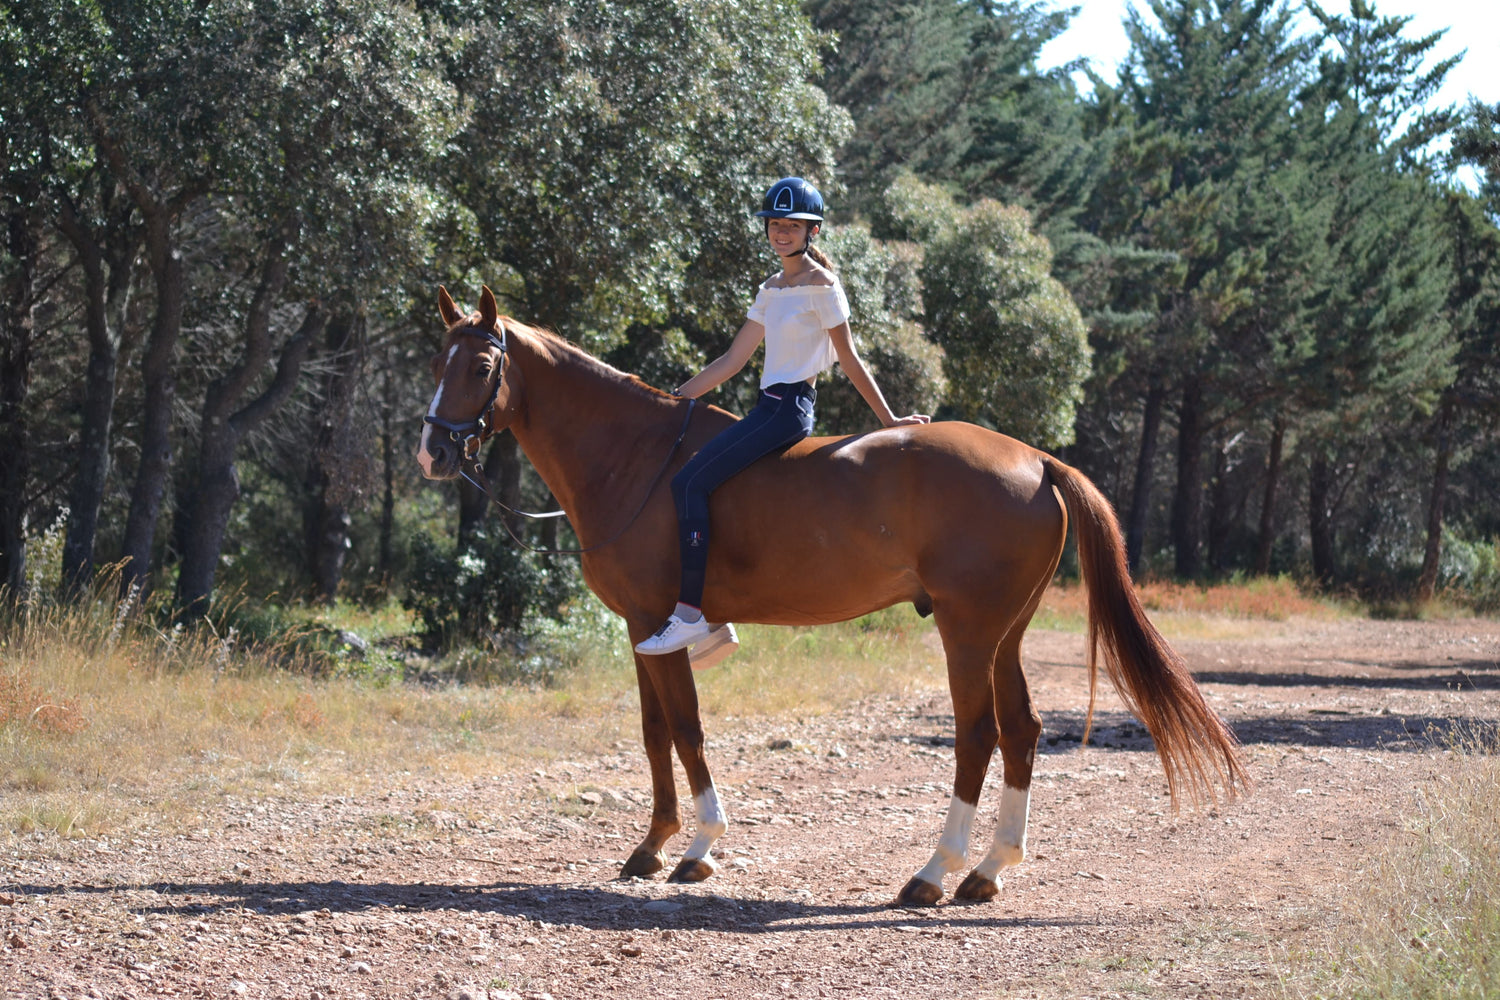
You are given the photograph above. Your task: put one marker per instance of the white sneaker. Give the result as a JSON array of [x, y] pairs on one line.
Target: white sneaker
[[720, 644], [673, 635]]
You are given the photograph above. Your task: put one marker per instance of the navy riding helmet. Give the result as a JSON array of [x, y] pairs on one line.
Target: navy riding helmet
[[792, 198]]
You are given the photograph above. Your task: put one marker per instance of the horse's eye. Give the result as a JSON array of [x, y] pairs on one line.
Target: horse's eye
[[484, 371]]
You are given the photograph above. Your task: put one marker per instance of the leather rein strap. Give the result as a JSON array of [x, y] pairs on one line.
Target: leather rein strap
[[470, 435]]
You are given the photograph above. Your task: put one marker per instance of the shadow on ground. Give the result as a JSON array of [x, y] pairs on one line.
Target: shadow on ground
[[594, 907], [1062, 732]]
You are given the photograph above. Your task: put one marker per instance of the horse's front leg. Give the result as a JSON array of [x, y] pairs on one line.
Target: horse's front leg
[[651, 856], [672, 677]]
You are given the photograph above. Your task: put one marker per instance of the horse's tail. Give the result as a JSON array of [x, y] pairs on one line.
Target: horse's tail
[[1197, 749]]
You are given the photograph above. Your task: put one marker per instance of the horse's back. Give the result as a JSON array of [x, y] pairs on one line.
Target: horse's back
[[896, 514], [952, 469]]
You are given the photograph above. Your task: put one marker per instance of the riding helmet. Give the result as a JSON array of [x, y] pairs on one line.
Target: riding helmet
[[792, 198]]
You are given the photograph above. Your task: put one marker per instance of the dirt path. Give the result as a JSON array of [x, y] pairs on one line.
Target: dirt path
[[504, 886]]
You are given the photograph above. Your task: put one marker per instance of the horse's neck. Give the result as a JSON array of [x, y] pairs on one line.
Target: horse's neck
[[584, 427]]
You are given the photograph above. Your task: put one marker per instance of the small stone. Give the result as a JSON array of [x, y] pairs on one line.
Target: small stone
[[742, 862], [591, 798], [630, 950], [662, 906], [838, 751], [356, 645], [779, 745], [361, 967], [15, 940], [239, 988], [504, 995], [468, 991], [346, 952]]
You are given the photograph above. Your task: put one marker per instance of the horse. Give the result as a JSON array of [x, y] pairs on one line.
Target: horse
[[965, 523]]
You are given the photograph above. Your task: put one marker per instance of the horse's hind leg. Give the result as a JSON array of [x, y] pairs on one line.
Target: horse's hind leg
[[651, 856], [969, 640], [1020, 728]]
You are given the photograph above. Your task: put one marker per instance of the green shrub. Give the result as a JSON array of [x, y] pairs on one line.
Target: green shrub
[[479, 593]]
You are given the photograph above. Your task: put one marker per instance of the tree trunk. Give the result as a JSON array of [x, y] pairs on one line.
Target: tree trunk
[[388, 496], [1427, 582], [1320, 518], [332, 478], [224, 428], [1267, 536], [1187, 505], [17, 330], [159, 378], [108, 274], [1220, 508], [1140, 496]]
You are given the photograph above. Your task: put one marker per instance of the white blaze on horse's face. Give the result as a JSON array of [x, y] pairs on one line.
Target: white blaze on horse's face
[[424, 456]]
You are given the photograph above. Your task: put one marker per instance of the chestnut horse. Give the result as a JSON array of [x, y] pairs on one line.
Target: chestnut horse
[[964, 523]]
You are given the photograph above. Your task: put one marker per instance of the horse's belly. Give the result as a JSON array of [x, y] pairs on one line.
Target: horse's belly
[[818, 578]]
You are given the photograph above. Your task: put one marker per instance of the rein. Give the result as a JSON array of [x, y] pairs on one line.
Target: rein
[[469, 436]]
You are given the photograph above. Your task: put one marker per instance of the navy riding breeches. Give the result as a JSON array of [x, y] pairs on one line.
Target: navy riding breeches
[[782, 417]]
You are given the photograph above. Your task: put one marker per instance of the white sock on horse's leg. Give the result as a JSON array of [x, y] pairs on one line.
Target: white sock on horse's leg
[[953, 846], [1009, 846], [711, 825]]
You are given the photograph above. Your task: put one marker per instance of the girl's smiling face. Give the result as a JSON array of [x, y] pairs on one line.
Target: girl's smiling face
[[788, 236]]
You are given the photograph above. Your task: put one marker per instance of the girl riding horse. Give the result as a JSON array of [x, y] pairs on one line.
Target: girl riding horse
[[803, 316]]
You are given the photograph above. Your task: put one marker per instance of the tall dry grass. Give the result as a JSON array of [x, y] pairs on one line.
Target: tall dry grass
[[1187, 610], [107, 723], [1424, 922]]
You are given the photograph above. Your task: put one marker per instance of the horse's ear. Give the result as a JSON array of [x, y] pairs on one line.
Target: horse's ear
[[446, 308], [487, 309]]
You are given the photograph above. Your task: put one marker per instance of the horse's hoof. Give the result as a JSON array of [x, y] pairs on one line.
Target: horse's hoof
[[977, 888], [643, 863], [691, 870], [919, 892]]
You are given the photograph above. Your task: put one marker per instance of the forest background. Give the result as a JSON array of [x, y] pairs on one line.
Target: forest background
[[1239, 283]]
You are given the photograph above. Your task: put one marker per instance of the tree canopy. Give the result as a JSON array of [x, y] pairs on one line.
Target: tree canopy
[[1260, 250]]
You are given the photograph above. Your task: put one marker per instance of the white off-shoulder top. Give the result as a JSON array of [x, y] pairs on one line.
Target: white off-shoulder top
[[797, 321]]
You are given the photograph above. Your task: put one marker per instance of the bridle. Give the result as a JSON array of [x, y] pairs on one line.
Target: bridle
[[469, 435]]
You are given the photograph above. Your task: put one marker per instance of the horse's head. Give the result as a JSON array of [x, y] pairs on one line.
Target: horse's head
[[475, 387]]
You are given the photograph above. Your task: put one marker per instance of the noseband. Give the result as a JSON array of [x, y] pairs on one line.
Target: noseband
[[470, 434]]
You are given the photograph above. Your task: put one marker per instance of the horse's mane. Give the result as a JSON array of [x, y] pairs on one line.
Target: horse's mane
[[557, 341]]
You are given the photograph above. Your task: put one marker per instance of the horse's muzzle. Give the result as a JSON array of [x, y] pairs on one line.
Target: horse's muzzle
[[438, 456]]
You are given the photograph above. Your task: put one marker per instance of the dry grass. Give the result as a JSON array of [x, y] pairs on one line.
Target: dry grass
[[111, 728], [811, 670], [106, 723], [1190, 611], [1425, 922]]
